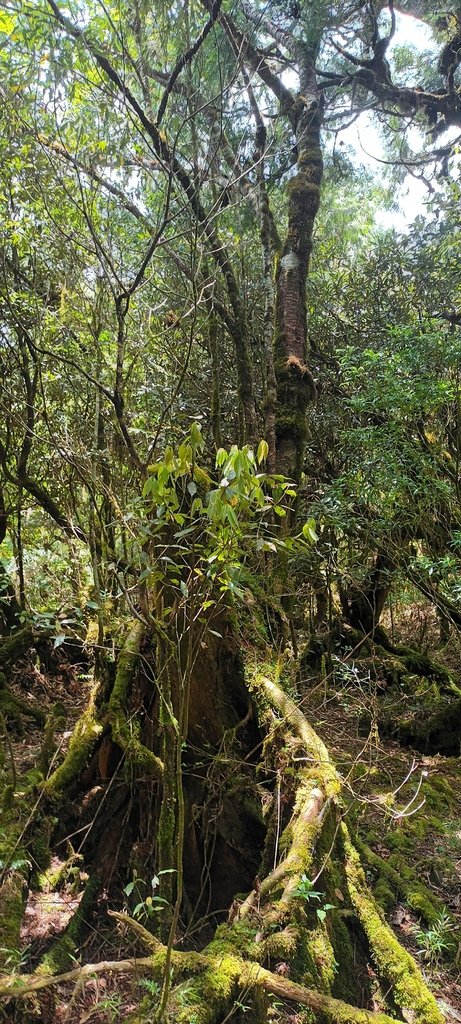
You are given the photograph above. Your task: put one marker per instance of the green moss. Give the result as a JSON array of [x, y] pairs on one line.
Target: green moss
[[39, 847], [423, 904], [12, 900], [15, 646], [32, 778], [63, 953], [438, 793], [323, 956], [399, 840], [384, 895], [283, 944], [392, 960], [7, 797], [125, 733], [209, 995], [84, 737], [396, 878]]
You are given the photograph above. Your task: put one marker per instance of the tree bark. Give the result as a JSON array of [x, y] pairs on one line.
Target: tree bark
[[295, 384]]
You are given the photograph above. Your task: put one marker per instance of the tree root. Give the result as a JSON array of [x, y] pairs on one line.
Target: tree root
[[88, 729], [10, 703], [124, 732], [392, 960], [84, 737], [12, 902], [15, 646], [394, 964], [277, 917], [411, 889], [235, 975], [63, 952]]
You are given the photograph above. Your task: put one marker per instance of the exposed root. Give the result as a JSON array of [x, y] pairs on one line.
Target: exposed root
[[124, 733], [84, 737], [275, 917], [234, 974], [12, 902], [392, 960], [15, 646], [15, 706], [63, 952], [89, 729]]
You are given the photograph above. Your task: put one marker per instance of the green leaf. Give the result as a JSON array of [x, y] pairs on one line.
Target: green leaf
[[265, 545], [309, 531], [7, 23], [263, 451], [59, 640], [129, 889], [196, 436]]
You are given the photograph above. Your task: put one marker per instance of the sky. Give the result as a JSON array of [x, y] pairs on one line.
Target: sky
[[364, 138]]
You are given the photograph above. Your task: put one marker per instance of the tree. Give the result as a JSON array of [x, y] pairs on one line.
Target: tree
[[138, 203]]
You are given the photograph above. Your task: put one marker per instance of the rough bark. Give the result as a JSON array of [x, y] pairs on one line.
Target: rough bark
[[295, 385]]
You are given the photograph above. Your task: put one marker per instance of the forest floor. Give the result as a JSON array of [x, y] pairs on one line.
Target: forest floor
[[406, 805]]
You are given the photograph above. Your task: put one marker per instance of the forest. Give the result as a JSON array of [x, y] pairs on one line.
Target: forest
[[230, 512]]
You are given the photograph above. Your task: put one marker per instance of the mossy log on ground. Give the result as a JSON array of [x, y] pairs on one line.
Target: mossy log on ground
[[12, 705], [219, 979], [15, 646]]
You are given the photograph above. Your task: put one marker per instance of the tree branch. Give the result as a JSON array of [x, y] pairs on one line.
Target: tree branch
[[186, 58]]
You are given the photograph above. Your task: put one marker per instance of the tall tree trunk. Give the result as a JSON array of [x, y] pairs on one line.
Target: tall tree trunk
[[295, 384]]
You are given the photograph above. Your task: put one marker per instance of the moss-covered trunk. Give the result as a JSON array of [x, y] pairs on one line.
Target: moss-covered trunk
[[295, 385]]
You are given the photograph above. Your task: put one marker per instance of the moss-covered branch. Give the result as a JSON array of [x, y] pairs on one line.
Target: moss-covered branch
[[15, 646], [220, 978]]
